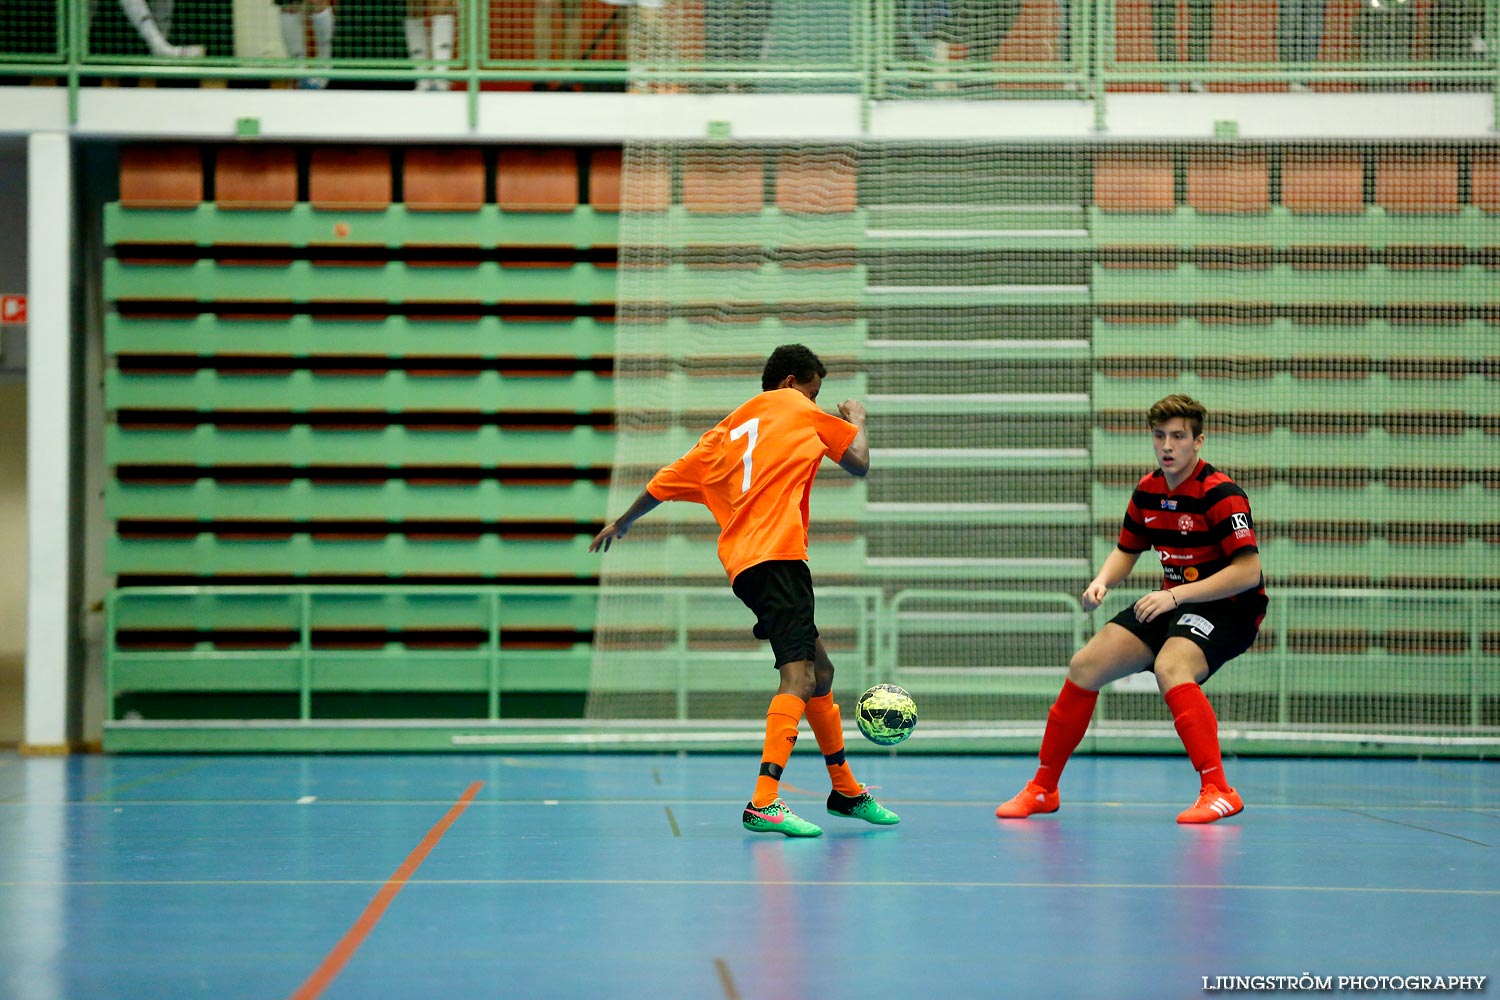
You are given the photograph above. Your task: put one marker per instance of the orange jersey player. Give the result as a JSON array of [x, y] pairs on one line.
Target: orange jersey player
[[754, 471]]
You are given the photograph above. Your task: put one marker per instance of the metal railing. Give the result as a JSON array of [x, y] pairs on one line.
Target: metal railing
[[1463, 623], [878, 49]]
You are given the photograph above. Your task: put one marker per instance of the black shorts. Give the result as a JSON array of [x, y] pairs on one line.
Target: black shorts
[[781, 595], [1222, 629]]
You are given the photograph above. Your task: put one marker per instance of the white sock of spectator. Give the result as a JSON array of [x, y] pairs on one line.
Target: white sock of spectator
[[322, 23], [293, 33], [416, 44], [442, 46], [140, 17], [161, 13]]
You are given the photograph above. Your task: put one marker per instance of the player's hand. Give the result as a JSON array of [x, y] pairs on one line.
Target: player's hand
[[1093, 595], [1158, 602], [853, 411], [611, 531]]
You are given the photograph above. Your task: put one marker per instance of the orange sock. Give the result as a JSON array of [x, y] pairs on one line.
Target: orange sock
[[1199, 729], [828, 727], [1067, 721], [781, 735]]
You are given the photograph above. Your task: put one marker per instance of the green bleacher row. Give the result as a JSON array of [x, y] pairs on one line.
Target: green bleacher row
[[206, 390], [305, 501], [1290, 285], [1278, 227], [485, 227], [1272, 341], [867, 228], [206, 447], [489, 282], [490, 556]]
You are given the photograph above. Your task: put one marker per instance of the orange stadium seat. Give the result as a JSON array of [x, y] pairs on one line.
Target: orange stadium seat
[[816, 183], [537, 180], [1323, 182], [443, 179], [1229, 182], [161, 176], [251, 177], [1417, 181], [1134, 41], [1134, 182], [348, 178], [1484, 180], [1034, 36], [1244, 31], [714, 183], [649, 189]]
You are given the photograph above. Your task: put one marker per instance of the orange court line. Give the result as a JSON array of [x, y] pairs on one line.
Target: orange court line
[[336, 959]]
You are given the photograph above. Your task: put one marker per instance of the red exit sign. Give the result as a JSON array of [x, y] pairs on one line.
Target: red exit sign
[[12, 310]]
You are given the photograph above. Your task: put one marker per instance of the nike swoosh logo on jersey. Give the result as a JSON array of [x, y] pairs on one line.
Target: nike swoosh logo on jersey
[[1150, 519]]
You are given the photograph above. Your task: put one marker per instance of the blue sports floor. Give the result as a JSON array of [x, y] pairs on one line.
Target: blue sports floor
[[584, 876]]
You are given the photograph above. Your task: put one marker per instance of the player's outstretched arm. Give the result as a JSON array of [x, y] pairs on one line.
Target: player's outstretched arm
[[1117, 566], [856, 460], [644, 504]]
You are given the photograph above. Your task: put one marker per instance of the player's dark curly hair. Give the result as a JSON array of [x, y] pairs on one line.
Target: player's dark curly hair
[[791, 359], [1178, 405]]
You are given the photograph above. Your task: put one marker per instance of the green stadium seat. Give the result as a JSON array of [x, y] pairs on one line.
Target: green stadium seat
[[304, 281], [394, 501], [302, 446], [303, 391], [207, 335], [378, 556]]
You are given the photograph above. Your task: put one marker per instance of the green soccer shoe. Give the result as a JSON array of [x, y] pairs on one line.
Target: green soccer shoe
[[777, 818], [862, 806]]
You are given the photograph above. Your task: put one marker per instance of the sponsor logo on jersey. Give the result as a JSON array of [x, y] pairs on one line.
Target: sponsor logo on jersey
[[1239, 522], [1197, 624], [1168, 504]]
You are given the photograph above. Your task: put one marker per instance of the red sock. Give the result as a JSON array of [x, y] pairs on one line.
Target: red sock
[[781, 735], [1199, 728], [1067, 721], [828, 727]]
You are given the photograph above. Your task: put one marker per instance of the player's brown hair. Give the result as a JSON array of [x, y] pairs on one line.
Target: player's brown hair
[[1178, 405]]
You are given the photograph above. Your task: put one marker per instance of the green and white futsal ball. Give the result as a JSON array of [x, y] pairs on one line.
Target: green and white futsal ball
[[886, 714]]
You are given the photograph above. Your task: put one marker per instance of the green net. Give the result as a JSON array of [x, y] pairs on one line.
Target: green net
[[1008, 314]]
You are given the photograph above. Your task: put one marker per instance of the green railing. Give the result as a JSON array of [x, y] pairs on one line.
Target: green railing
[[888, 49], [1366, 671]]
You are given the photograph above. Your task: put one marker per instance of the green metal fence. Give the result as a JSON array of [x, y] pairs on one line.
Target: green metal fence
[[885, 49], [1420, 671]]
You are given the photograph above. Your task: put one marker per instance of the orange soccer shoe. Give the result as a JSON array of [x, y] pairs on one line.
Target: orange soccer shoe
[[1213, 805], [1029, 800]]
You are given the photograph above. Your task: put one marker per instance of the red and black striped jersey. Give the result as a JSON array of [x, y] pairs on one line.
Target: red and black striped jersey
[[1196, 529]]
